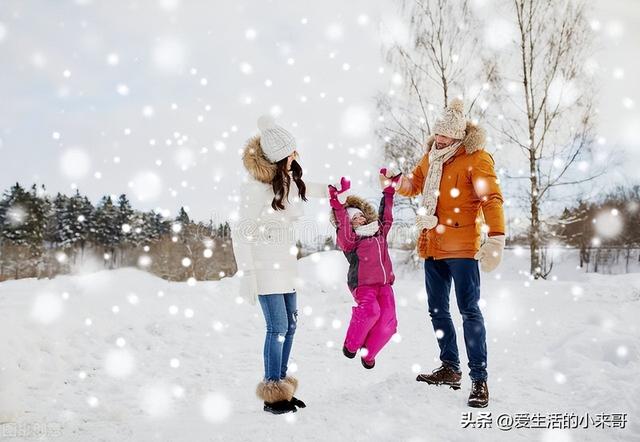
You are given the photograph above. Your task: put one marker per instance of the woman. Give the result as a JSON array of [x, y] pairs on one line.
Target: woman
[[265, 251]]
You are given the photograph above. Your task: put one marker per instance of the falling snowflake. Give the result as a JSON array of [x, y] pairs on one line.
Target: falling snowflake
[[216, 408], [119, 363], [75, 163]]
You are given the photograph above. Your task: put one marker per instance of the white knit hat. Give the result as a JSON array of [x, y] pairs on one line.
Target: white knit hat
[[353, 211], [276, 142], [452, 123]]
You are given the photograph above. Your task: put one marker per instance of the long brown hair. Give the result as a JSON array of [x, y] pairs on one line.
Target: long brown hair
[[282, 180]]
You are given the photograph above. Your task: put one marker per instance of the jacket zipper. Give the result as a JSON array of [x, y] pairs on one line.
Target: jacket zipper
[[384, 272]]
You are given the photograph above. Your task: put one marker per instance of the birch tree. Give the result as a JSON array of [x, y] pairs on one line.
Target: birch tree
[[546, 110]]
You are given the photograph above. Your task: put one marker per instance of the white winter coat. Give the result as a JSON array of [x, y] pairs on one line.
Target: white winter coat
[[263, 238]]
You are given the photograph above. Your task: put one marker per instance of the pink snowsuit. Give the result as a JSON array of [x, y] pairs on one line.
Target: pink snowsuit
[[370, 276]]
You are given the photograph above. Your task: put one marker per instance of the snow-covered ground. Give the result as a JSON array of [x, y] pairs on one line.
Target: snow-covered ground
[[123, 355]]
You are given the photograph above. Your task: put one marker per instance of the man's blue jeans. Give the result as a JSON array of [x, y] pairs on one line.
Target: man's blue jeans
[[280, 314], [466, 277]]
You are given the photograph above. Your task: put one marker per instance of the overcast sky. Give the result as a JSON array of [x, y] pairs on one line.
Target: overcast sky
[[156, 97]]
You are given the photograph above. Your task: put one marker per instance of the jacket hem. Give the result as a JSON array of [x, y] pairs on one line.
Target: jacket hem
[[445, 255]]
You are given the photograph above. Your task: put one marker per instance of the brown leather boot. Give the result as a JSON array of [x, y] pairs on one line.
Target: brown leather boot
[[479, 396], [443, 375]]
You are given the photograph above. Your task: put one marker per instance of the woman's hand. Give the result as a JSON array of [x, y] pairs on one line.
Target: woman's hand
[[249, 285]]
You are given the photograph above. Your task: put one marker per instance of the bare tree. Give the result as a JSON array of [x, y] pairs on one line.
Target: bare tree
[[441, 60], [546, 104]]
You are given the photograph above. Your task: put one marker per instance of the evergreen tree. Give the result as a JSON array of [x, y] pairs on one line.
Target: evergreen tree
[[13, 215], [107, 230], [56, 233], [183, 217], [23, 216], [79, 220], [158, 226], [39, 210], [223, 231], [125, 220]]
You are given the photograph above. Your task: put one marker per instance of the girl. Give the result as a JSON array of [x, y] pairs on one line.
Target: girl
[[263, 242], [362, 236]]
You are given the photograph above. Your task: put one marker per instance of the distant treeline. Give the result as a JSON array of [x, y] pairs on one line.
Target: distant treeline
[[43, 236], [606, 232]]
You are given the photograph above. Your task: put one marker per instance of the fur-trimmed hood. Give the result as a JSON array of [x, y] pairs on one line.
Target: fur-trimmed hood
[[475, 139], [256, 162], [366, 208]]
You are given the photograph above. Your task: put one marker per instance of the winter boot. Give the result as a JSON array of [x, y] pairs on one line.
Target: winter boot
[[293, 382], [479, 396], [277, 396], [298, 403], [368, 365], [279, 407], [443, 375], [347, 353]]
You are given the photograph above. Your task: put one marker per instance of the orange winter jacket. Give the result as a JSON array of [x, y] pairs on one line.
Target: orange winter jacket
[[469, 197]]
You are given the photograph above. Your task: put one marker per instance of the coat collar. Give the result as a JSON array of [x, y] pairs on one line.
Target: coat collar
[[256, 162]]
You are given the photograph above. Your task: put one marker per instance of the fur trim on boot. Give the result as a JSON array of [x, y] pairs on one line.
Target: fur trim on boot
[[291, 381], [274, 391]]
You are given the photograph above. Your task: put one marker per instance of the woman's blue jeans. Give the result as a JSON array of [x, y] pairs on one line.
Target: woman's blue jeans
[[281, 315]]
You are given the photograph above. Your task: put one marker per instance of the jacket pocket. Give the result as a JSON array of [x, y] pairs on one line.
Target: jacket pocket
[[457, 239]]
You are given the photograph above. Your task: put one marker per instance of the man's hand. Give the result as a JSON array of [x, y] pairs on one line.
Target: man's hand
[[384, 181], [388, 178], [490, 253]]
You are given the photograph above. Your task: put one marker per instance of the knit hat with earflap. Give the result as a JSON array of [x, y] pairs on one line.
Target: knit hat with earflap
[[452, 123], [276, 142]]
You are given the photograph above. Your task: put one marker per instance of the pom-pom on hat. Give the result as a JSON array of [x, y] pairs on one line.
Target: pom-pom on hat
[[452, 122]]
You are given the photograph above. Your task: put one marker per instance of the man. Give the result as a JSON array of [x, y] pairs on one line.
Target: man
[[461, 199]]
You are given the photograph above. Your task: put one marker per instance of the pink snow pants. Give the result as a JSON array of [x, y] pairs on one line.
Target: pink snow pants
[[373, 319]]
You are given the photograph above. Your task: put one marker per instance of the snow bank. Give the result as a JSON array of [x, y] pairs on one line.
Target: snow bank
[[123, 355]]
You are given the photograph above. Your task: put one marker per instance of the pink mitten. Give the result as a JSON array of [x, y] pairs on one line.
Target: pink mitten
[[345, 184], [333, 197], [333, 192], [337, 197], [384, 171]]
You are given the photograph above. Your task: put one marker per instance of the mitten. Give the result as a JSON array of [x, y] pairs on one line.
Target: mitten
[[391, 178], [426, 222], [338, 197], [490, 253]]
